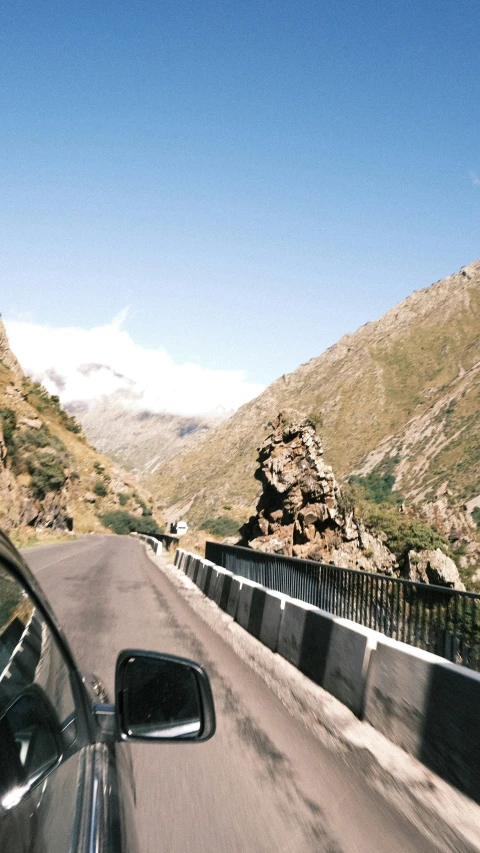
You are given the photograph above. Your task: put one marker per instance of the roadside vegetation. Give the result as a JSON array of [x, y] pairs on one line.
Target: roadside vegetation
[[36, 452], [381, 509], [122, 522], [100, 488]]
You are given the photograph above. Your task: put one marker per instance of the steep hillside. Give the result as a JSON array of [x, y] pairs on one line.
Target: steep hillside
[[50, 478], [399, 396], [139, 441]]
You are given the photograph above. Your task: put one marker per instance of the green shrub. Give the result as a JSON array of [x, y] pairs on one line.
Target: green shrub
[[123, 498], [47, 477], [123, 522], [98, 467], [378, 487], [316, 417], [403, 532], [40, 438], [8, 420], [222, 526], [100, 489], [31, 440], [71, 424], [146, 510], [476, 516], [39, 398], [33, 450]]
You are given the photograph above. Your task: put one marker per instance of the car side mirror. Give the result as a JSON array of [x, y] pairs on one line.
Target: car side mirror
[[162, 697]]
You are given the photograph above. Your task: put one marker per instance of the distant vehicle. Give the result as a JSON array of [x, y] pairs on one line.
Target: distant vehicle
[[66, 780], [179, 528]]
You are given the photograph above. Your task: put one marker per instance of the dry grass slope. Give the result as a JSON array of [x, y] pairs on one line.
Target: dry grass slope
[[404, 386], [48, 472]]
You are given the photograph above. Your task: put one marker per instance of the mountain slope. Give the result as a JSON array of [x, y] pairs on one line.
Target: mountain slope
[[50, 478], [139, 440], [401, 393]]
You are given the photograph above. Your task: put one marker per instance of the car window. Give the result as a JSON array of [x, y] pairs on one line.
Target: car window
[[38, 728]]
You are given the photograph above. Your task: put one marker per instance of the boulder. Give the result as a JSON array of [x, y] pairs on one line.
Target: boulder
[[433, 567]]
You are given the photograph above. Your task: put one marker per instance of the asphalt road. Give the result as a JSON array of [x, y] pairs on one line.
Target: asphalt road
[[264, 783]]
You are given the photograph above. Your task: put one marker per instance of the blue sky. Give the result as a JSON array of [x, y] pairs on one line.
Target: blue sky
[[253, 179]]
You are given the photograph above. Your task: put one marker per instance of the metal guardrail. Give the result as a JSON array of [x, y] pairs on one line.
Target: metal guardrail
[[440, 620]]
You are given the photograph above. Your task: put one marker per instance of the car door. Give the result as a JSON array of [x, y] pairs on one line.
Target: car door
[[46, 741]]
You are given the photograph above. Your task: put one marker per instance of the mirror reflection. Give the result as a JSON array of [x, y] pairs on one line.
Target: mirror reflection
[[37, 710], [160, 699]]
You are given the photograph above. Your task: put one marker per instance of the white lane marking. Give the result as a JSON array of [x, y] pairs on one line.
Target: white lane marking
[[61, 559]]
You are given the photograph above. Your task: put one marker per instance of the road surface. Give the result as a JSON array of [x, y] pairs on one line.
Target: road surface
[[264, 783]]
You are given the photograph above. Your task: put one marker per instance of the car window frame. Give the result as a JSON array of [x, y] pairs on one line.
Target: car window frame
[[85, 717]]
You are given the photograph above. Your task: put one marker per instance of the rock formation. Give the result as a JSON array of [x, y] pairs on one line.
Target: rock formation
[[433, 567], [301, 511]]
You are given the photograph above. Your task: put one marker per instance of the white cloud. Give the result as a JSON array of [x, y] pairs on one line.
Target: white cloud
[[85, 365], [474, 179]]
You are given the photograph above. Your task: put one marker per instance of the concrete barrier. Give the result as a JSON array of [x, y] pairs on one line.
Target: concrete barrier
[[203, 575], [211, 579], [197, 562], [303, 638], [273, 608], [397, 692], [233, 595], [221, 592], [154, 544], [200, 575], [251, 601], [210, 590], [178, 558], [348, 654], [333, 652], [191, 566], [187, 557], [430, 708]]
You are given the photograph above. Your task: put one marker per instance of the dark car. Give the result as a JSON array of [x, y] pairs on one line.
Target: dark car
[[66, 781]]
